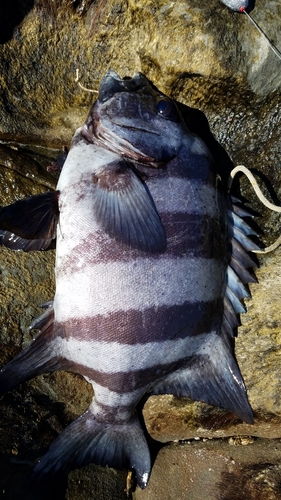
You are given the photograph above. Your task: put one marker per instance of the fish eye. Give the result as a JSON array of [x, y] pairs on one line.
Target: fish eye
[[166, 108]]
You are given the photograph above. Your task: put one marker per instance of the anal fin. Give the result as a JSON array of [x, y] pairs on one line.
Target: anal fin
[[212, 377]]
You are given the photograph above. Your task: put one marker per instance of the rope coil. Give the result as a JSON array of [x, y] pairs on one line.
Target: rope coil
[[261, 197]]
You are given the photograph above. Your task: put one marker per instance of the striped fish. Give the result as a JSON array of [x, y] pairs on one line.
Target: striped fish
[[151, 261]]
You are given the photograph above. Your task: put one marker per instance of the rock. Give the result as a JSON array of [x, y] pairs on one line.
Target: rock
[[216, 470], [210, 57]]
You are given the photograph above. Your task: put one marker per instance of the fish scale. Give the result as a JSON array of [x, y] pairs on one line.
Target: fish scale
[[146, 299]]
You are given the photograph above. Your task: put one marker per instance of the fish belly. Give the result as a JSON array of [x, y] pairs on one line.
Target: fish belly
[[134, 320], [129, 318]]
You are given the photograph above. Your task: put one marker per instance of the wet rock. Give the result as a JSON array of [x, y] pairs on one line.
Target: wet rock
[[217, 470], [209, 57], [23, 172]]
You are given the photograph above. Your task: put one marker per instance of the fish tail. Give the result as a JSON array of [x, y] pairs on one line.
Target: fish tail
[[37, 358], [86, 440]]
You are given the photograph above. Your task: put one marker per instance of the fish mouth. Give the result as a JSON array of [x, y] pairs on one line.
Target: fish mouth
[[111, 141], [94, 131], [112, 83], [142, 126]]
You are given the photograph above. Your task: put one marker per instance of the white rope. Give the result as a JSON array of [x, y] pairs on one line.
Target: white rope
[[82, 86], [262, 198]]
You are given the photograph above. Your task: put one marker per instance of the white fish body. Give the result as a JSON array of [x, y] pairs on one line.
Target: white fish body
[[147, 294]]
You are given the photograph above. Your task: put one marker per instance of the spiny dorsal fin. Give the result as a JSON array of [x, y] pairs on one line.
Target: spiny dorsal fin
[[237, 275], [261, 197], [240, 244]]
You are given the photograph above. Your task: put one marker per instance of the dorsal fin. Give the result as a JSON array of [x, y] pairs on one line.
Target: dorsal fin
[[238, 276]]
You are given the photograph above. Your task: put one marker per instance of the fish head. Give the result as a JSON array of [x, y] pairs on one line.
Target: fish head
[[131, 117]]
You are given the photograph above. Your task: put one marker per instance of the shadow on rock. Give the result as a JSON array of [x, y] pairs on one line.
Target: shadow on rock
[[19, 489], [11, 15]]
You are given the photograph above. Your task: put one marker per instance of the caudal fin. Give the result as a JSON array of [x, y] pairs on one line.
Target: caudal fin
[[88, 441]]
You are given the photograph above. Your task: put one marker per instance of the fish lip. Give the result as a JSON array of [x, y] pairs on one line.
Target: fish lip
[[112, 73], [132, 127], [123, 81], [111, 84]]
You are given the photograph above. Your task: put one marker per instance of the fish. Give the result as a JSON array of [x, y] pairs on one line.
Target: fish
[[152, 266]]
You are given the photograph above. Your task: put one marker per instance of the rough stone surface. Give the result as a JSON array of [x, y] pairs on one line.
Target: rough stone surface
[[202, 53], [206, 57], [218, 470]]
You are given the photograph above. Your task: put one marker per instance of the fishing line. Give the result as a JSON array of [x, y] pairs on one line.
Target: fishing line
[[241, 6], [261, 197], [273, 48]]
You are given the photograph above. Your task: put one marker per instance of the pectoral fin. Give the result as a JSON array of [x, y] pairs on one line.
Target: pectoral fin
[[42, 355], [30, 224], [125, 209]]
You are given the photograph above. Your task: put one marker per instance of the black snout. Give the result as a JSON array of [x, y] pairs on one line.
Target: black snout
[[112, 83]]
